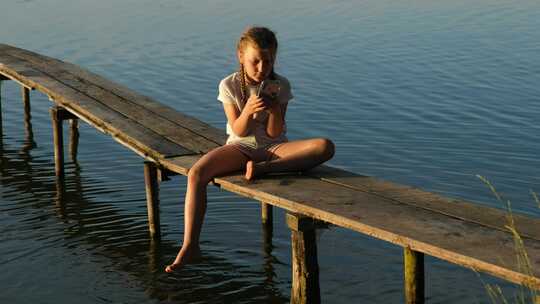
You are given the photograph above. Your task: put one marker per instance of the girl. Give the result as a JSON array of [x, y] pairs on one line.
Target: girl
[[256, 128]]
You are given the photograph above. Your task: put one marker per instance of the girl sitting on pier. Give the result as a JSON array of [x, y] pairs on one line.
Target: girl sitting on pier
[[256, 128]]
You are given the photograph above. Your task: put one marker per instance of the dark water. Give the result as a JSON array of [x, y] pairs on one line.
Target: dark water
[[422, 93]]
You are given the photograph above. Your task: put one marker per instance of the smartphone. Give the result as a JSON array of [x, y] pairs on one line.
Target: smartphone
[[269, 88]]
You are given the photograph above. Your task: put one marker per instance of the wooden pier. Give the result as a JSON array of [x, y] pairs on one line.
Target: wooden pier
[[170, 142]]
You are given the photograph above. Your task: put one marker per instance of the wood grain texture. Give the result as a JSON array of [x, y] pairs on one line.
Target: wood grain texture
[[455, 240], [528, 227], [187, 126], [180, 164], [139, 114], [128, 132]]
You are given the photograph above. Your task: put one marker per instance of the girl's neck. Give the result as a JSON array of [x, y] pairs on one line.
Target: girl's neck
[[250, 81]]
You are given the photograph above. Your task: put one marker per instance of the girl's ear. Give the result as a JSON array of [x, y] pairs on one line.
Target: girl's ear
[[240, 56]]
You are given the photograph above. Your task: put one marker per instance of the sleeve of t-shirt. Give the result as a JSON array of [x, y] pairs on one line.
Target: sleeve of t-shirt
[[225, 95], [285, 94]]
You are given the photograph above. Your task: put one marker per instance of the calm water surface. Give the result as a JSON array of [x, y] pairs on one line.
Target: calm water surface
[[424, 93]]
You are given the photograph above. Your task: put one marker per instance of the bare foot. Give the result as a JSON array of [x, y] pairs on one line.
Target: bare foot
[[251, 170], [187, 255]]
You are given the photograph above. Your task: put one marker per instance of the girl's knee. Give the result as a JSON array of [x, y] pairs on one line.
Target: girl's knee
[[198, 175], [325, 147]]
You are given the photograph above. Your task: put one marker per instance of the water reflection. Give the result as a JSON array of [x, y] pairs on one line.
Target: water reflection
[[123, 239]]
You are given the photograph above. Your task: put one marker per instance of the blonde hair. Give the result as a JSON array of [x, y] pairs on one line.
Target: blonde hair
[[259, 37]]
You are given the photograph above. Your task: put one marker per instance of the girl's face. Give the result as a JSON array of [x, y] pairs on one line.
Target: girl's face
[[257, 63]]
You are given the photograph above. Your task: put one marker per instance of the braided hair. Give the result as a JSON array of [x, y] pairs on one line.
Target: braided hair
[[261, 38]]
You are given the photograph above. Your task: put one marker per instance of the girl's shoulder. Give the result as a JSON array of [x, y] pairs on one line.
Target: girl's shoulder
[[285, 84], [282, 79], [231, 80]]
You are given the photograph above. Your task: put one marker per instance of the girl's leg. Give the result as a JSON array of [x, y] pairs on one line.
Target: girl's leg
[[217, 162], [293, 156]]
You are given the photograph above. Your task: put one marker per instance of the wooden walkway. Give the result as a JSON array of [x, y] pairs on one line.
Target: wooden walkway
[[170, 142]]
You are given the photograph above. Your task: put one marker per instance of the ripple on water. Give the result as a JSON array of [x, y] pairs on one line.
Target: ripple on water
[[427, 95]]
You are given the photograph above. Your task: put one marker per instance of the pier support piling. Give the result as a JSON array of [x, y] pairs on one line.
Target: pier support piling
[[27, 118], [267, 218], [25, 92], [58, 115], [413, 276], [1, 131], [305, 268], [58, 136], [152, 198]]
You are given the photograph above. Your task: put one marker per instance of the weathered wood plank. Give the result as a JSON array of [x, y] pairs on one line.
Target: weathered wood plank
[[180, 164], [185, 123], [6, 76], [491, 217], [170, 130], [128, 132], [449, 238], [452, 230]]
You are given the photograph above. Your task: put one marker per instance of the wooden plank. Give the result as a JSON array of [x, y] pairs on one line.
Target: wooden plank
[[185, 124], [126, 131], [172, 131], [17, 76], [448, 238], [180, 164], [491, 217]]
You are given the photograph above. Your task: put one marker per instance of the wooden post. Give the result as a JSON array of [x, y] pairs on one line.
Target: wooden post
[[26, 102], [74, 138], [413, 276], [305, 268], [537, 300], [58, 142], [1, 131], [154, 256], [267, 218], [152, 198]]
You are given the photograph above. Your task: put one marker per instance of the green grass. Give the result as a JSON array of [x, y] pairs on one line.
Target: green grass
[[525, 293]]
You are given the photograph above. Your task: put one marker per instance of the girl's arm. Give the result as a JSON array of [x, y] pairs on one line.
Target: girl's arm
[[276, 119], [242, 122]]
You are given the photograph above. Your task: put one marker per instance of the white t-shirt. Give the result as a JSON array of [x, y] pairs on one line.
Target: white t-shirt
[[230, 93]]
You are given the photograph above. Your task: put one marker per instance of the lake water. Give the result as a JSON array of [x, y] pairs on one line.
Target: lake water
[[423, 93]]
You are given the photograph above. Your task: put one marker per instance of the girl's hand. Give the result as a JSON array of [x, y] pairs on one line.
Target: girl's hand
[[271, 104], [254, 105]]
